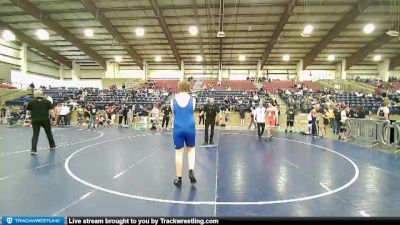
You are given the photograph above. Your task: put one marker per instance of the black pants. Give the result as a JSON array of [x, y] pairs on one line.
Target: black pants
[[201, 118], [208, 123], [165, 120], [314, 127], [36, 125], [125, 116], [260, 128]]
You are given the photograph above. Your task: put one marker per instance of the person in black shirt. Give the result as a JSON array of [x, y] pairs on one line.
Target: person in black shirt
[[290, 113], [40, 109], [125, 111], [201, 118], [92, 112], [338, 117], [242, 115], [360, 113], [32, 86], [166, 110], [2, 114], [120, 115], [210, 111]]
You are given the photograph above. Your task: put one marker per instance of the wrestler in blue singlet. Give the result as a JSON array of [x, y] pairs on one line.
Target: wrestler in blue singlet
[[184, 125]]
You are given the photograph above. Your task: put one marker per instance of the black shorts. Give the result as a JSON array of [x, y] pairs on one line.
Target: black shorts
[[290, 123]]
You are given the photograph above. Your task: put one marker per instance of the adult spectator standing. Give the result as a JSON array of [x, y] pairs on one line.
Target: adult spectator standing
[[259, 118], [166, 110], [2, 114], [360, 112], [120, 115], [130, 117], [242, 115], [252, 121], [343, 118], [210, 110], [201, 116], [314, 123], [290, 114], [125, 111], [32, 86], [331, 116], [64, 111], [337, 112], [92, 109], [155, 114], [40, 110], [383, 112]]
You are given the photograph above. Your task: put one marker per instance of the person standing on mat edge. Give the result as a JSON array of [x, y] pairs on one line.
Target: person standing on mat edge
[[210, 111], [290, 114], [184, 133], [40, 110], [259, 118], [166, 111]]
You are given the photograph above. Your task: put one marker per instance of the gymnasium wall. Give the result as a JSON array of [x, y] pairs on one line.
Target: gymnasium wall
[[36, 64], [9, 53], [39, 65], [23, 80], [363, 71], [5, 72]]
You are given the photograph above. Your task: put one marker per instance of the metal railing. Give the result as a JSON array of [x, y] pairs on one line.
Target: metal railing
[[375, 131]]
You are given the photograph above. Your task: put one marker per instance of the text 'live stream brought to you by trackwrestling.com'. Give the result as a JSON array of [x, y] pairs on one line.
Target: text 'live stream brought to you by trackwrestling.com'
[[8, 220], [18, 220]]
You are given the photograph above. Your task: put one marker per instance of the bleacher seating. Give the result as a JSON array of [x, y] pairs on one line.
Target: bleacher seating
[[312, 85], [93, 95], [370, 103], [274, 86], [235, 97], [7, 86], [234, 85]]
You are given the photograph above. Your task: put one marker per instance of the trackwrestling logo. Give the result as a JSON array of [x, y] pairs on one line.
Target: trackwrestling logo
[[17, 220]]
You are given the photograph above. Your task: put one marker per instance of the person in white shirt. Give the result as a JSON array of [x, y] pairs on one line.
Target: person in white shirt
[[259, 118], [252, 120], [343, 118], [255, 97], [383, 112], [50, 99], [64, 111], [155, 113], [309, 119]]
